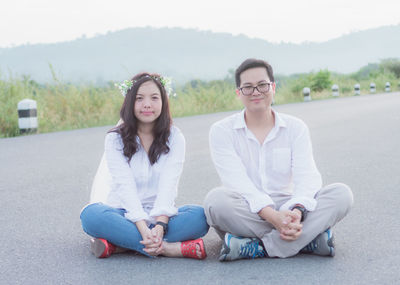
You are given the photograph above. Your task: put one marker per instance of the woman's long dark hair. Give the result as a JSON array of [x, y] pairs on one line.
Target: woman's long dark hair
[[129, 128]]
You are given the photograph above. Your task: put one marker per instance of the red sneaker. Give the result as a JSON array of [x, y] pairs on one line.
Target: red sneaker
[[101, 248], [193, 249]]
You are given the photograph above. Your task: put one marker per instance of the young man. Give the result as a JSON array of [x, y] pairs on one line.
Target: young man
[[271, 203]]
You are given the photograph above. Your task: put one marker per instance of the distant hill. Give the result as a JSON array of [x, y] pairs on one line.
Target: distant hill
[[187, 54]]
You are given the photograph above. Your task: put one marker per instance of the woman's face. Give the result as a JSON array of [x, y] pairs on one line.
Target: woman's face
[[148, 103]]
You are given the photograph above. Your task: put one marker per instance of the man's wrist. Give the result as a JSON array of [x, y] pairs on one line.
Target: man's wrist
[[298, 212], [267, 213], [301, 210]]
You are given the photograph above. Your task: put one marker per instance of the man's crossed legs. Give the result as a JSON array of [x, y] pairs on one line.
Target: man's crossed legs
[[229, 214]]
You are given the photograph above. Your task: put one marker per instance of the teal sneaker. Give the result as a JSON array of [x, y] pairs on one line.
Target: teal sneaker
[[323, 244], [241, 248]]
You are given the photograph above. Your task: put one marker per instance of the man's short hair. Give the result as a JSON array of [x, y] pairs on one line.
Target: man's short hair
[[251, 63]]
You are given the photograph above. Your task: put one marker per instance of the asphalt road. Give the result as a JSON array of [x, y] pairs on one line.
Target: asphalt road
[[45, 180]]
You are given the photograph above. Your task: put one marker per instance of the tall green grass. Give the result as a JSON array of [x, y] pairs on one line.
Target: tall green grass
[[63, 106], [291, 90], [59, 106], [198, 97]]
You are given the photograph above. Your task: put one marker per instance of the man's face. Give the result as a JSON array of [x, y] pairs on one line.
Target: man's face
[[256, 101]]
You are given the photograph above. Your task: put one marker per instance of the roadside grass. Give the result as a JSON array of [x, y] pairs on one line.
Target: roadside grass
[[64, 106], [346, 84]]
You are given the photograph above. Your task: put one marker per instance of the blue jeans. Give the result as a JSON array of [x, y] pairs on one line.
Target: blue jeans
[[102, 221]]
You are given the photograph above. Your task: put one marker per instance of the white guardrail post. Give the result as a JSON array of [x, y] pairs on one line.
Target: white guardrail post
[[306, 94], [27, 114], [387, 87], [372, 88], [357, 89], [335, 90]]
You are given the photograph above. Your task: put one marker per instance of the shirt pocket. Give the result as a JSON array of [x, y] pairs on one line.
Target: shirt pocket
[[281, 160]]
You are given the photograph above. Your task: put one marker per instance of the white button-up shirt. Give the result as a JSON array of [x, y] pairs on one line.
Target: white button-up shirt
[[283, 164], [145, 191]]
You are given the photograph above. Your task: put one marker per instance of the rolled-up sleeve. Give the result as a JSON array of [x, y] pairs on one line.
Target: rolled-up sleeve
[[123, 182], [169, 177], [306, 177], [232, 171]]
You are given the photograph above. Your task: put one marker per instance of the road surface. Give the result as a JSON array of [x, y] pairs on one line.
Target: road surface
[[45, 180]]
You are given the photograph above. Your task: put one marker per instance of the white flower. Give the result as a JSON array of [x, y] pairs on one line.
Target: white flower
[[167, 82], [124, 86]]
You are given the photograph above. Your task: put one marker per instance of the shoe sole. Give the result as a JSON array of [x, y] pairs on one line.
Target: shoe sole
[[227, 241], [97, 247], [331, 243], [328, 239]]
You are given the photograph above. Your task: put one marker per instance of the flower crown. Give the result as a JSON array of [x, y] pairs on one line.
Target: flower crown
[[127, 84]]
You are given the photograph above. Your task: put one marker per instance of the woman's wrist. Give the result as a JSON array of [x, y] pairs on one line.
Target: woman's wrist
[[163, 226], [141, 225], [163, 219]]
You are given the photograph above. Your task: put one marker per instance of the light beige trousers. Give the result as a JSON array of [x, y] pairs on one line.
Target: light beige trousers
[[227, 211]]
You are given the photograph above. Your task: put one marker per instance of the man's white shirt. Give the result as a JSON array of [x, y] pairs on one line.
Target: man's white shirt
[[283, 164]]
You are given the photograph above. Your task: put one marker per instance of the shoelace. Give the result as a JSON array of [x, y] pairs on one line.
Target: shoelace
[[311, 246], [251, 250]]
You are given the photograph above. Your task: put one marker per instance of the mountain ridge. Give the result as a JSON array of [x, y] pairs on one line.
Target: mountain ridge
[[186, 54]]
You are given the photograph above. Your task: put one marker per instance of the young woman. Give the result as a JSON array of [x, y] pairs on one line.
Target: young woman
[[144, 157]]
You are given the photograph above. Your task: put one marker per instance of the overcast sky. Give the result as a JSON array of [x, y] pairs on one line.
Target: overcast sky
[[44, 21]]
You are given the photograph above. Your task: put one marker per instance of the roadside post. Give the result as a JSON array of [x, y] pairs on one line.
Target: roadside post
[[306, 94], [27, 116], [372, 88], [357, 89], [335, 90], [387, 87]]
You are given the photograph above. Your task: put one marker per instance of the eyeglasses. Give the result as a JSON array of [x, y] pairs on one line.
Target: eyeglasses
[[262, 88]]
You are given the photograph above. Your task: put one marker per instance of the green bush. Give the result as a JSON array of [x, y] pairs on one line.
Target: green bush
[[298, 82], [321, 81], [391, 65], [369, 71]]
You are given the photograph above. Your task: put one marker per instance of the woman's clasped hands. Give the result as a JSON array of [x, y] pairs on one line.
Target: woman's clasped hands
[[152, 238]]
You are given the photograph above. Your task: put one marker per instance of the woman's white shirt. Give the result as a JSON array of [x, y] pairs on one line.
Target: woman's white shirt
[[145, 191]]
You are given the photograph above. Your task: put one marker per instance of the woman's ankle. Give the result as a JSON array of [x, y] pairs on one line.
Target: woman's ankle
[[121, 249], [172, 249]]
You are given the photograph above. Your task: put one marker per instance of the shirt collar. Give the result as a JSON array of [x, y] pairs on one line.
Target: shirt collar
[[240, 122], [279, 122]]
